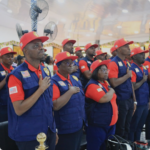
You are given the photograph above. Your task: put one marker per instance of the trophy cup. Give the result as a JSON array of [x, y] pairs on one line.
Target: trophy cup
[[41, 138]]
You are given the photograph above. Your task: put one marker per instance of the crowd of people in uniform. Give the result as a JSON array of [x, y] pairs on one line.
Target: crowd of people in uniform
[[94, 94]]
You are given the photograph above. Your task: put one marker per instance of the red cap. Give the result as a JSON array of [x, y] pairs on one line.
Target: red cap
[[67, 41], [6, 50], [121, 42], [98, 63], [28, 37], [112, 49], [45, 50], [99, 52], [90, 45], [78, 49], [138, 50], [63, 56]]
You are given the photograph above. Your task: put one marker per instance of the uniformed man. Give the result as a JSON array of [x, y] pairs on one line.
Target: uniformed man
[[147, 65], [140, 84], [78, 52], [67, 45], [120, 79], [68, 101], [113, 52], [85, 63], [5, 68], [30, 108], [100, 55]]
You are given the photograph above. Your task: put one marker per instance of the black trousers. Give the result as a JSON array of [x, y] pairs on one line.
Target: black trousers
[[125, 108], [30, 145], [148, 126], [70, 141]]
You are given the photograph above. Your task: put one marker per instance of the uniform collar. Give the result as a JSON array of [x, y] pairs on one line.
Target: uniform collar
[[62, 77], [89, 58], [138, 65], [42, 64], [7, 69], [31, 67]]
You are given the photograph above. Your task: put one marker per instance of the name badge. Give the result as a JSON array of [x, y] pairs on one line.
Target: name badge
[[120, 63], [136, 69], [25, 74], [61, 83], [3, 73], [88, 62]]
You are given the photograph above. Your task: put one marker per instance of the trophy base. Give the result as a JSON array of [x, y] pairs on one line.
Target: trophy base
[[41, 148]]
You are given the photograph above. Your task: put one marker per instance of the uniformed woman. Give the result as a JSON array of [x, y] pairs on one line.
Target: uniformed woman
[[68, 103], [101, 107]]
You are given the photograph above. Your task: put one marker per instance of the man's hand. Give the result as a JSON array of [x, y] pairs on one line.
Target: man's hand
[[134, 109], [129, 72], [145, 77], [6, 75], [44, 84], [74, 89], [57, 138]]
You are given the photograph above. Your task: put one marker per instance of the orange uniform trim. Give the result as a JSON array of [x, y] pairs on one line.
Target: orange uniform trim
[[56, 91], [15, 82], [83, 66], [93, 92], [7, 69]]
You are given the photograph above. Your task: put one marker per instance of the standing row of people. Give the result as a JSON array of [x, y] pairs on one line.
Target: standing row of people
[[103, 97]]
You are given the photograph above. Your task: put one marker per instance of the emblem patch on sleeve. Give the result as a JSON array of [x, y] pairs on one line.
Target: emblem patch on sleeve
[[13, 90], [99, 90]]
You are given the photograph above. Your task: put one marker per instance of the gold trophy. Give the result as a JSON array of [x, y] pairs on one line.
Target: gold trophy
[[41, 138]]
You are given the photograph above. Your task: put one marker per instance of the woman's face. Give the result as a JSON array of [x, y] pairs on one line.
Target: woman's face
[[103, 73]]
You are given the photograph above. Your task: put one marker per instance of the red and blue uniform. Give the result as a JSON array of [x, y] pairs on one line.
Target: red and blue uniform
[[102, 117], [142, 98], [117, 69], [69, 118], [147, 65], [84, 65], [4, 93], [22, 83]]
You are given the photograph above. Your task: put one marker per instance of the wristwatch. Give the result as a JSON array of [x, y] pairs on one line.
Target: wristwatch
[[135, 103]]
